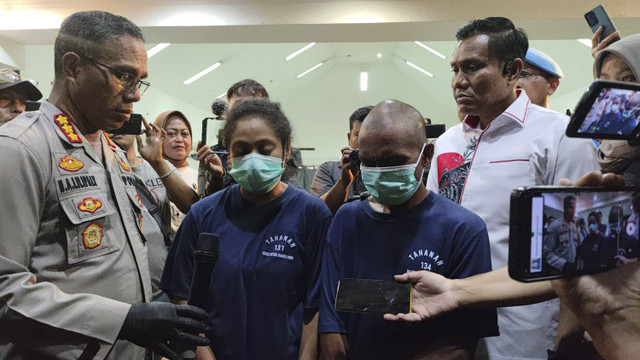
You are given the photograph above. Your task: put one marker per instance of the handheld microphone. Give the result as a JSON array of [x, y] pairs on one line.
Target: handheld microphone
[[206, 256]]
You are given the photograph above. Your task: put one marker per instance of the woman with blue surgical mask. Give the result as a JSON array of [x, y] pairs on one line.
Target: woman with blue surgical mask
[[264, 290]]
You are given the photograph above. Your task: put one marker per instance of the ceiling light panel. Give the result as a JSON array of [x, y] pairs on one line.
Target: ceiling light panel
[[156, 49], [308, 71], [305, 48], [434, 52], [202, 73], [364, 81], [419, 68]]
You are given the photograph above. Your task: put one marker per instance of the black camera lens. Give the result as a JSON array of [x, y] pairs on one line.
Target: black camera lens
[[591, 19], [354, 158]]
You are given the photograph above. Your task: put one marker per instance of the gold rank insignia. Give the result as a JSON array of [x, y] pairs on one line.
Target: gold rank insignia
[[89, 205], [92, 236], [140, 223], [70, 164], [139, 201], [111, 143], [124, 165], [67, 128]]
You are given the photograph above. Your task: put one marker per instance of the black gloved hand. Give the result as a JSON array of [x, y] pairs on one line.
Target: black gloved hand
[[152, 325]]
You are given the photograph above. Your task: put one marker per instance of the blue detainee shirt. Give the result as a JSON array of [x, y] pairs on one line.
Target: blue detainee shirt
[[267, 274], [436, 235]]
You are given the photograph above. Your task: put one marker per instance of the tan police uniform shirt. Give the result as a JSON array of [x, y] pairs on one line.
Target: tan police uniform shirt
[[72, 255]]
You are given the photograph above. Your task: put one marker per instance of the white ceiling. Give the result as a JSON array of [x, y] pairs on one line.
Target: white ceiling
[[252, 37]]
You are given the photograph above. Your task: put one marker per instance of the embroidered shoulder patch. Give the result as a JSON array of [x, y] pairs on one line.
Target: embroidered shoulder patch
[[67, 128]]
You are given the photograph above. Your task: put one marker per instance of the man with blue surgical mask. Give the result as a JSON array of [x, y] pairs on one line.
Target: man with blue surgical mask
[[401, 227]]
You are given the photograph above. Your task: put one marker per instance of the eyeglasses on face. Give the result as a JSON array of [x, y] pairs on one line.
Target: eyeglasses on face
[[126, 80]]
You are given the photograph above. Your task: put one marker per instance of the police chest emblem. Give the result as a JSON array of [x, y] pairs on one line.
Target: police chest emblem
[[67, 128], [124, 165], [70, 164], [92, 236], [89, 205]]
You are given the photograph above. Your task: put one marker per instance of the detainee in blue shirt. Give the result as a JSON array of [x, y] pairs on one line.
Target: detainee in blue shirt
[[401, 227], [264, 292]]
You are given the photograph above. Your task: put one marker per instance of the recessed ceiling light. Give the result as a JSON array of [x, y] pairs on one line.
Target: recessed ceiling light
[[379, 55], [308, 71], [202, 73], [364, 81], [585, 42], [156, 49], [419, 68], [307, 47], [430, 50]]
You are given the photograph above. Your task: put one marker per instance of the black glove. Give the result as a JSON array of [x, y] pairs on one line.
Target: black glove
[[152, 325]]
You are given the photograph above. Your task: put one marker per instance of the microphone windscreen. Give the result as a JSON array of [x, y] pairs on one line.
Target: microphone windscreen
[[219, 106]]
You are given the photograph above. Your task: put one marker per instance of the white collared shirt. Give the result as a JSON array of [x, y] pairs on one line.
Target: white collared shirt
[[526, 145]]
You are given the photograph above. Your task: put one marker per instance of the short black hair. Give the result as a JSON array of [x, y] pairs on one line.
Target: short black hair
[[247, 88], [83, 33], [567, 201], [267, 110], [359, 115], [506, 42]]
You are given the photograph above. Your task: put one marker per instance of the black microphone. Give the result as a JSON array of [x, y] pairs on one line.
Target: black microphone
[[206, 256]]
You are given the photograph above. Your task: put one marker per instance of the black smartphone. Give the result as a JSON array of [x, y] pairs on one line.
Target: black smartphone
[[434, 130], [608, 110], [32, 106], [558, 232], [131, 127], [373, 296], [598, 17]]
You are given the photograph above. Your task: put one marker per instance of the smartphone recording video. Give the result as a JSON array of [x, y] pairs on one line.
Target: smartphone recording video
[[559, 232], [598, 17], [608, 110]]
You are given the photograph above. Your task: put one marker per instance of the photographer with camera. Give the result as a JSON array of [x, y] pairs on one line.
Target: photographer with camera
[[337, 181]]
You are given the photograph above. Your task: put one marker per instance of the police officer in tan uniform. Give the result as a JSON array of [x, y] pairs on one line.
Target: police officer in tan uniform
[[74, 276]]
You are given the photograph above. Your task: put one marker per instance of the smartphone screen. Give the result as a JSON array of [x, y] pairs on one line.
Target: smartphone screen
[[572, 231], [607, 110], [614, 112], [131, 127], [373, 296]]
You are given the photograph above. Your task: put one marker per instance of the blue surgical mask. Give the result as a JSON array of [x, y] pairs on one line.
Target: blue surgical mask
[[392, 185], [614, 107], [593, 227], [257, 173]]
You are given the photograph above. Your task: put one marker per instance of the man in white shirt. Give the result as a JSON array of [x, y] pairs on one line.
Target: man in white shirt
[[504, 142]]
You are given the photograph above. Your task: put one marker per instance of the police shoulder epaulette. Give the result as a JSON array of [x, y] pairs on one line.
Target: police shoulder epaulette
[[14, 128], [67, 128]]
